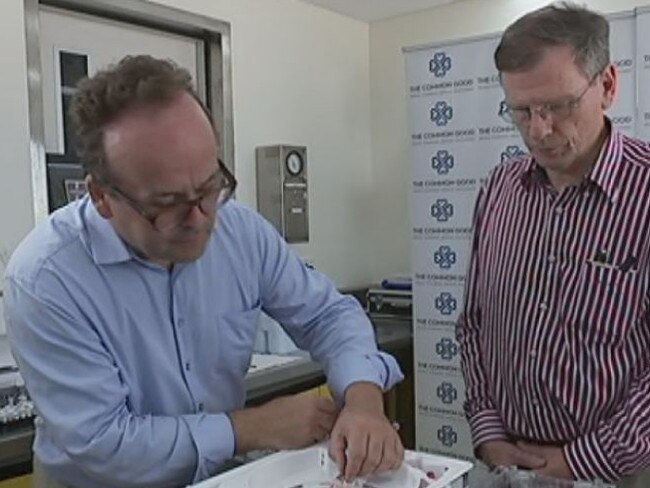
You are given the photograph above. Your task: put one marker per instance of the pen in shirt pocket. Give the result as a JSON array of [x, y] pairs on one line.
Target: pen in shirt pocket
[[629, 264], [602, 259]]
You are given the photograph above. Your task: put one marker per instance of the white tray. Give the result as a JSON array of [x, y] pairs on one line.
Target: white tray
[[312, 468]]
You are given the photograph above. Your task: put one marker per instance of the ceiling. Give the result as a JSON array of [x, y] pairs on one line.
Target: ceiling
[[372, 10]]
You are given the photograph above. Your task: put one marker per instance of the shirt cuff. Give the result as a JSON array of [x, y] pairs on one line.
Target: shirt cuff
[[378, 368], [587, 461], [214, 439], [486, 426]]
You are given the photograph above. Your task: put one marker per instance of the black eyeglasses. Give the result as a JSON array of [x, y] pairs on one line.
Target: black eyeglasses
[[557, 111], [169, 217]]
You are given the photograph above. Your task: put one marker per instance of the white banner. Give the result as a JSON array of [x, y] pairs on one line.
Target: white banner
[[623, 55], [456, 137], [643, 75]]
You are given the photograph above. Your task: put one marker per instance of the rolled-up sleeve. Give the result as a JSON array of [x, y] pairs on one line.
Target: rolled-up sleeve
[[332, 327]]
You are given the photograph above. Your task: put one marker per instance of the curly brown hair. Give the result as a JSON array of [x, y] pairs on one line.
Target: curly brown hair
[[133, 81]]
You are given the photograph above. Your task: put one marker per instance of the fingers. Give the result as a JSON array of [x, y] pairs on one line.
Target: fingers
[[326, 414], [398, 449], [356, 454], [321, 416], [336, 451], [374, 457], [321, 433], [324, 426], [300, 420], [393, 455], [505, 453], [529, 456], [531, 447], [530, 461], [326, 405], [382, 454], [388, 460], [328, 409], [393, 450], [326, 422]]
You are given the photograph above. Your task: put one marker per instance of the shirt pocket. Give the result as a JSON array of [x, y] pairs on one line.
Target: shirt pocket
[[605, 305], [237, 331]]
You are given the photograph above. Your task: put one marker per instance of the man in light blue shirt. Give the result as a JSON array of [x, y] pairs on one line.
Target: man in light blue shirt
[[133, 312]]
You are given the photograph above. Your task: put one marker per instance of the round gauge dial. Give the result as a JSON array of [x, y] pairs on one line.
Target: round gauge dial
[[294, 163]]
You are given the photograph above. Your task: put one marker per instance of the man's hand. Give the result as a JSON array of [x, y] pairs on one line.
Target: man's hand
[[556, 464], [504, 453], [363, 440], [288, 422]]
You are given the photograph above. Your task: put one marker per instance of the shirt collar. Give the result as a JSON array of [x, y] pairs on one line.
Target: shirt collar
[[604, 172], [106, 247]]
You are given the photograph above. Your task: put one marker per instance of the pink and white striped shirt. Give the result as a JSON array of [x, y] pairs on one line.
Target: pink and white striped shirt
[[555, 333]]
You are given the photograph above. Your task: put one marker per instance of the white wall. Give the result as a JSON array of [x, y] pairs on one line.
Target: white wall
[[301, 76], [16, 214], [390, 144]]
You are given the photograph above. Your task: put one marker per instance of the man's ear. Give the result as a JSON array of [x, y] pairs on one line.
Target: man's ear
[[99, 197], [609, 86]]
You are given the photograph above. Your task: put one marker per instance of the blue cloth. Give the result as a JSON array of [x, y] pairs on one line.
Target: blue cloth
[[132, 366]]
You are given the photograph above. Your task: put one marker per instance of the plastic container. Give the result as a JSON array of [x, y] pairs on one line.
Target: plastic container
[[516, 478], [312, 468]]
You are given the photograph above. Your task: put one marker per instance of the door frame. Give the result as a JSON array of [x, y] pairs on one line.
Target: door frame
[[214, 70]]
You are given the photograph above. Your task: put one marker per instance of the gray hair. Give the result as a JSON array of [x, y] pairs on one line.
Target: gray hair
[[526, 40]]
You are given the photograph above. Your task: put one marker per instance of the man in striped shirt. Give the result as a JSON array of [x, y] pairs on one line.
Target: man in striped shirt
[[555, 333]]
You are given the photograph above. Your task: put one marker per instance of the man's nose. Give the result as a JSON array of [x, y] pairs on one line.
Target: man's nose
[[540, 125], [195, 215]]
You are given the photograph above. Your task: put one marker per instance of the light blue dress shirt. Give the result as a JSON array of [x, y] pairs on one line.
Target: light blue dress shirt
[[131, 366]]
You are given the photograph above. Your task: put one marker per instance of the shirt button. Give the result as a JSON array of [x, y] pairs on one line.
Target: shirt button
[[533, 354], [535, 401], [552, 259], [187, 366], [559, 210], [543, 306]]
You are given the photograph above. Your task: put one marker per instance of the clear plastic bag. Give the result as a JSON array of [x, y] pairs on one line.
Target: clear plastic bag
[[517, 478]]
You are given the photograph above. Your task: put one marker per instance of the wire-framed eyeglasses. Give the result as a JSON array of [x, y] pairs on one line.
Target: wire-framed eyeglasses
[[556, 111]]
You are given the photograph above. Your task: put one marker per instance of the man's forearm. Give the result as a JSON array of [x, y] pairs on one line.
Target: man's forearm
[[288, 422]]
